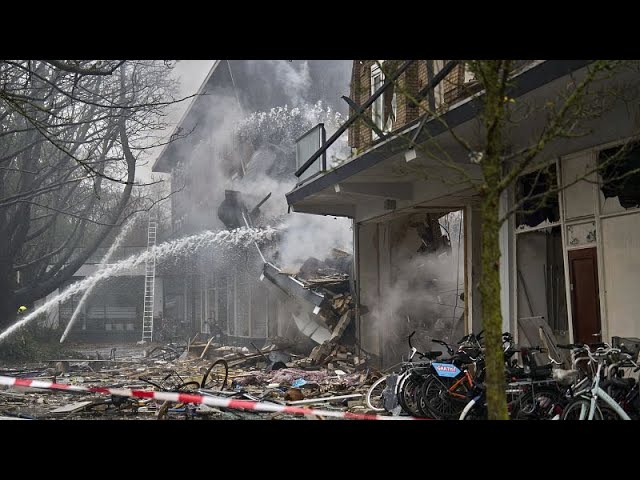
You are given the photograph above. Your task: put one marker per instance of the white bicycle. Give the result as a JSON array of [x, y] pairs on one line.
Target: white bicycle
[[585, 406]]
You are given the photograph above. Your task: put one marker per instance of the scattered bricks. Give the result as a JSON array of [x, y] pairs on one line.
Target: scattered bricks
[[320, 352], [345, 366], [329, 359], [293, 395], [342, 356], [341, 326], [314, 356]]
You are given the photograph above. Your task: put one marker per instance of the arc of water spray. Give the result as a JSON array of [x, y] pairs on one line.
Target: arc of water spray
[[246, 222], [103, 263], [239, 236]]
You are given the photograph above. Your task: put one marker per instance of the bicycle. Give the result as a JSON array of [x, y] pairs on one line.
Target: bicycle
[[532, 392], [584, 405], [447, 388], [397, 389]]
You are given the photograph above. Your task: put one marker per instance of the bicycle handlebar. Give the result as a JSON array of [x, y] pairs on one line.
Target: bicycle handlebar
[[444, 344], [569, 346]]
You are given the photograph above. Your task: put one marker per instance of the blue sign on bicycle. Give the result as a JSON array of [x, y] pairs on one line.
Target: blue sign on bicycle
[[446, 369]]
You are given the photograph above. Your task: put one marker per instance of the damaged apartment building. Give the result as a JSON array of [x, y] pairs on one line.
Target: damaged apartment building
[[569, 263], [226, 177]]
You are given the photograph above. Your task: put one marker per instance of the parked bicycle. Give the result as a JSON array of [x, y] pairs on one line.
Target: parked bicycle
[[593, 401]]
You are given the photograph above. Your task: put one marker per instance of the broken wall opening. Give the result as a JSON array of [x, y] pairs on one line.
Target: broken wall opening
[[541, 278], [411, 277]]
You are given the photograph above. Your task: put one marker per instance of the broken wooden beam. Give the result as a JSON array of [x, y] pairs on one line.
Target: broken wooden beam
[[325, 399], [206, 348]]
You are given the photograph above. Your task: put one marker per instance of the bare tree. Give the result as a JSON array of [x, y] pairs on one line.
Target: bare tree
[[71, 136]]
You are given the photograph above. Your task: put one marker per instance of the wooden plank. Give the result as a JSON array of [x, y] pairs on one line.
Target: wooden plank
[[72, 407], [324, 399], [206, 348], [81, 360]]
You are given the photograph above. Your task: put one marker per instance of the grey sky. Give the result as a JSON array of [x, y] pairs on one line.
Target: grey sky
[[191, 74]]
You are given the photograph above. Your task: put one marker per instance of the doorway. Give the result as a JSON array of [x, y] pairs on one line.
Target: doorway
[[585, 295]]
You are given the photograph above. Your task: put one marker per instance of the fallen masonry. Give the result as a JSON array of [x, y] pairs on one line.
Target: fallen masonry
[[267, 376]]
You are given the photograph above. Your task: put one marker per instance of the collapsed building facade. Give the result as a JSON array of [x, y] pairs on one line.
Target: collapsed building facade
[[570, 263], [224, 177]]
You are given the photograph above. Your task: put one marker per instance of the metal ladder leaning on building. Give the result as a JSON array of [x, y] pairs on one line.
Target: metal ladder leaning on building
[[149, 280]]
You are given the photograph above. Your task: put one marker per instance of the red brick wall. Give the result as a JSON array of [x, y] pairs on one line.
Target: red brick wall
[[410, 83], [359, 133]]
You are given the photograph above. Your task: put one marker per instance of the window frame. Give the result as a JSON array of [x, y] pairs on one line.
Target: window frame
[[378, 104]]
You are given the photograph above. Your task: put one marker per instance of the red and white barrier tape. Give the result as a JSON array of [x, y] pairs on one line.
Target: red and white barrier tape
[[195, 398]]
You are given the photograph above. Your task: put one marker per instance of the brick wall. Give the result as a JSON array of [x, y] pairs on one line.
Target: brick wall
[[415, 78]]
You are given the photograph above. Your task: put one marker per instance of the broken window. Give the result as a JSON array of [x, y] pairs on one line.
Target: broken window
[[384, 108], [430, 231], [537, 195], [620, 173]]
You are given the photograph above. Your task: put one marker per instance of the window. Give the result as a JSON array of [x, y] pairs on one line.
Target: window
[[383, 110], [537, 191], [620, 172]]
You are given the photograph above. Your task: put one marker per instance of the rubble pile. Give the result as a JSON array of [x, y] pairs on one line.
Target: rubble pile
[[268, 374], [330, 278], [333, 376]]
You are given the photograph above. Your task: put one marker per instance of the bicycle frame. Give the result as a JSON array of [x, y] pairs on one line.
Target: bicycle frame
[[464, 377], [598, 393]]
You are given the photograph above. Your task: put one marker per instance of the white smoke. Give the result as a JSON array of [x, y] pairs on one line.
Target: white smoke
[[422, 295], [313, 236]]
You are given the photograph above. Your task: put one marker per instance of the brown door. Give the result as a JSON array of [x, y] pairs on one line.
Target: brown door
[[585, 297]]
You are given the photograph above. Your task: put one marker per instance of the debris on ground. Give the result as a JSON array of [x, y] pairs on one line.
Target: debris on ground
[[337, 379], [334, 374]]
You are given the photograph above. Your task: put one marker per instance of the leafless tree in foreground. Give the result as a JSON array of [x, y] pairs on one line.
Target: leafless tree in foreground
[[71, 136]]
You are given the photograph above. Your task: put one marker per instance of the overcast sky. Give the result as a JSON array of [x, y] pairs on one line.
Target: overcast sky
[[190, 74]]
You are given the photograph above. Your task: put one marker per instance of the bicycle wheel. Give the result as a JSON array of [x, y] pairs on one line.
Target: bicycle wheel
[[538, 405], [188, 387], [406, 394], [438, 401], [477, 412], [216, 376], [608, 413], [374, 394], [420, 400], [578, 409]]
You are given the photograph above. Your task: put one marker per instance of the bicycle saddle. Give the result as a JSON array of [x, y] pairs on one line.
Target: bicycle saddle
[[432, 355]]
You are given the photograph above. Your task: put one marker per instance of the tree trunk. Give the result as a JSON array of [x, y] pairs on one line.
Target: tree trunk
[[8, 306], [494, 75], [491, 312]]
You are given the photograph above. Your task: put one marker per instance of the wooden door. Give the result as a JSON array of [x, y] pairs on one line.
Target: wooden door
[[585, 295]]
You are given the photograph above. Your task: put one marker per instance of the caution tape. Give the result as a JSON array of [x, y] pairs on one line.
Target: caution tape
[[195, 398]]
